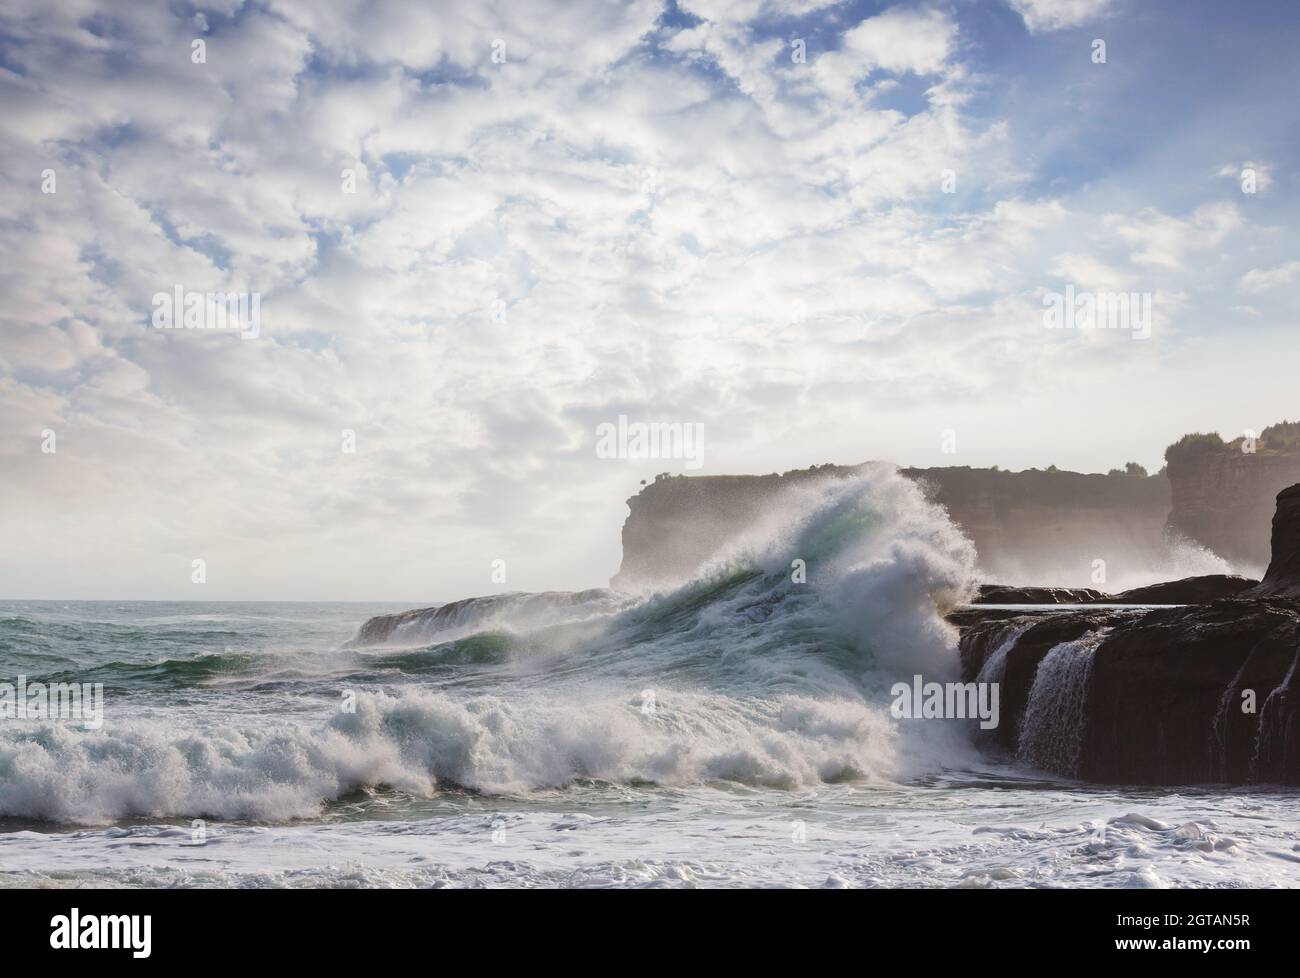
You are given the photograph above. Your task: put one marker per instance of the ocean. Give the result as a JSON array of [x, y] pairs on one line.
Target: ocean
[[734, 730]]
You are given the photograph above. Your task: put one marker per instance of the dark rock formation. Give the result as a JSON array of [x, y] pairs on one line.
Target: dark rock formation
[[1189, 695], [422, 623], [1207, 693], [1283, 576], [1165, 696], [377, 630], [1043, 632], [1190, 590], [1009, 594]]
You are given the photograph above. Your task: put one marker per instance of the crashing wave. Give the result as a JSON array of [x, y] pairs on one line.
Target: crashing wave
[[771, 668]]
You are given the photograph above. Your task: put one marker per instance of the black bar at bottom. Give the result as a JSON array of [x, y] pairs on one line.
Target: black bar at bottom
[[340, 927]]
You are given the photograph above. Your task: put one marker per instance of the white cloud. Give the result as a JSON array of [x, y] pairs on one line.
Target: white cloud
[[647, 230], [900, 41], [1052, 15], [1249, 172], [1264, 279], [1161, 240], [1089, 273]]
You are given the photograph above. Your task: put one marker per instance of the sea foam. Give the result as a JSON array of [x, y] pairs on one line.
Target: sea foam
[[748, 674]]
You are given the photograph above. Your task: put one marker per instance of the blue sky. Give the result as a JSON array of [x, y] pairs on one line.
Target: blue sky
[[642, 209]]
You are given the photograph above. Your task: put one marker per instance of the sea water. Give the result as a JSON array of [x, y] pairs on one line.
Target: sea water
[[733, 731]]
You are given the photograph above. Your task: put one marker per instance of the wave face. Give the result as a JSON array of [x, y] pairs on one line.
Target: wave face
[[753, 673]]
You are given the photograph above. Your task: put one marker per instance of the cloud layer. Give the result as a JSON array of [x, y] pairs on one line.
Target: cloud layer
[[480, 230]]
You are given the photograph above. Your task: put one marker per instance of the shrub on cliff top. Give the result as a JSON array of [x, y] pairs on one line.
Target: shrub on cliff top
[[1130, 468], [1281, 437], [1198, 443]]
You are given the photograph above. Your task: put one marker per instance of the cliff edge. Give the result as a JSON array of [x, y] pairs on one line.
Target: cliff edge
[[1222, 493]]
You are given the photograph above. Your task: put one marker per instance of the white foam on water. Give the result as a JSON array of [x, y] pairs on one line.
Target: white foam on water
[[743, 676], [849, 836]]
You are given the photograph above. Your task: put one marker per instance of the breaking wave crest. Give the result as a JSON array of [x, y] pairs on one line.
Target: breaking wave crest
[[772, 668]]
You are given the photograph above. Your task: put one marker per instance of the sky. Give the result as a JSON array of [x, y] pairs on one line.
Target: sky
[[821, 232]]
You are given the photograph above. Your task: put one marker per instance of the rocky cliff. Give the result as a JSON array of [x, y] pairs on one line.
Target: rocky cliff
[[1177, 695], [1222, 492], [1034, 526], [1283, 576]]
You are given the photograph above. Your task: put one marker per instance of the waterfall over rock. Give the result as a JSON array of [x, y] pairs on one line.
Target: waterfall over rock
[[1051, 734]]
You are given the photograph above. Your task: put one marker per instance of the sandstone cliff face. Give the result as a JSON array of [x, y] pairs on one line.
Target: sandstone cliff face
[[1034, 527], [1042, 527], [1027, 527], [1224, 499], [678, 522]]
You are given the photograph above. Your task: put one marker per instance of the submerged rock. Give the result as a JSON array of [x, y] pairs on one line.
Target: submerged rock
[[537, 608]]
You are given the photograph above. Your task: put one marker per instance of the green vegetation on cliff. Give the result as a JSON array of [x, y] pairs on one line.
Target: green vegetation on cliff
[[1282, 438], [1197, 443]]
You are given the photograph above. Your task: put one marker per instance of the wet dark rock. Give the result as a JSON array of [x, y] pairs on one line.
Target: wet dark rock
[[1164, 698], [1043, 632], [1283, 575], [1190, 590], [1205, 691], [1010, 594]]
